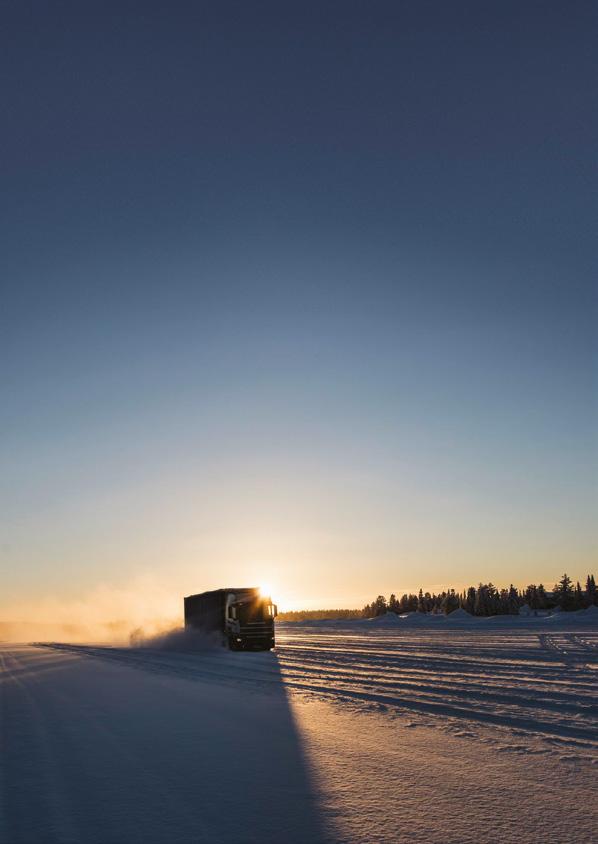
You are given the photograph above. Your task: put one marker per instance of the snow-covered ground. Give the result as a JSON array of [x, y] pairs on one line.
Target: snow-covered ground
[[387, 731]]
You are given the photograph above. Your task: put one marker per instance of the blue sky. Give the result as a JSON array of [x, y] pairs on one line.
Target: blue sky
[[298, 293]]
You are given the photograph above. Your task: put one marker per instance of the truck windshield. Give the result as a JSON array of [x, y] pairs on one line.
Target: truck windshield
[[255, 611]]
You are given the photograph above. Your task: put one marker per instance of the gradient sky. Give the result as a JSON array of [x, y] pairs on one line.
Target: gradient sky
[[299, 293]]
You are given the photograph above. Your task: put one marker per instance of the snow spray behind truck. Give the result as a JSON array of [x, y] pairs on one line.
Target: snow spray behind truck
[[243, 617]]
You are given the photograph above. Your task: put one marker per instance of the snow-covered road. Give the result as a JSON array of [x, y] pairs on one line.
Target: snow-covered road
[[95, 752], [354, 733]]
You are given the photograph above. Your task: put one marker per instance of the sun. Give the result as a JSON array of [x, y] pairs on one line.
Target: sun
[[265, 590]]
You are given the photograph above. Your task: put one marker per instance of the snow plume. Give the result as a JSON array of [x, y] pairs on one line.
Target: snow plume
[[174, 639], [105, 614]]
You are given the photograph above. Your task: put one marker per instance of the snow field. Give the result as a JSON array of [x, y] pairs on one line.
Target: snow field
[[347, 733], [543, 686]]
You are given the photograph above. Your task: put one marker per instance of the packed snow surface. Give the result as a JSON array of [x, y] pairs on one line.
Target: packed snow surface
[[349, 732]]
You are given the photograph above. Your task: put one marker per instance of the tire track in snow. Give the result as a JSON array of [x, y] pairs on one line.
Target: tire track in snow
[[573, 651]]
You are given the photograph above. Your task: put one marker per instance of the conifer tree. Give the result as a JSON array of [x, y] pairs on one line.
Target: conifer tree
[[513, 600], [591, 596], [563, 592], [531, 596], [380, 606]]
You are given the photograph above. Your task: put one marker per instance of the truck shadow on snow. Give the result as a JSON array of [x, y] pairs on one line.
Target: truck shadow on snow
[[239, 752]]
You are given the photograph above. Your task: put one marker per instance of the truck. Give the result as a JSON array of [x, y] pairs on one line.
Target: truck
[[242, 618]]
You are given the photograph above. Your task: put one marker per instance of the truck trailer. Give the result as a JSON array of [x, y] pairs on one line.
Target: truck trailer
[[243, 618]]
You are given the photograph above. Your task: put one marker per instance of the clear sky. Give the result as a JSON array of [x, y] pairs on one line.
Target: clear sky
[[296, 292]]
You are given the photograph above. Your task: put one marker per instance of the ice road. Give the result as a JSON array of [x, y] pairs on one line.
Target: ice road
[[354, 733]]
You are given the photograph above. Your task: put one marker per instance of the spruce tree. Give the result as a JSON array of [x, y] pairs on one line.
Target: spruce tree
[[531, 596], [380, 605], [591, 596], [563, 592]]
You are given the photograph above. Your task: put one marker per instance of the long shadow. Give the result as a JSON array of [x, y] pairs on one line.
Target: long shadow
[[202, 747]]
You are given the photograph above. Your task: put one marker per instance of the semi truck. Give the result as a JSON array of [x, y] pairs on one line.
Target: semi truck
[[242, 618]]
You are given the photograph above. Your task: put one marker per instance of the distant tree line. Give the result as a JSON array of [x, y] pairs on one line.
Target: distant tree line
[[314, 615], [487, 599]]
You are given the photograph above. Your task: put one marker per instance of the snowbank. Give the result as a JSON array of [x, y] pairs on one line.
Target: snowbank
[[388, 619], [460, 615], [460, 618]]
